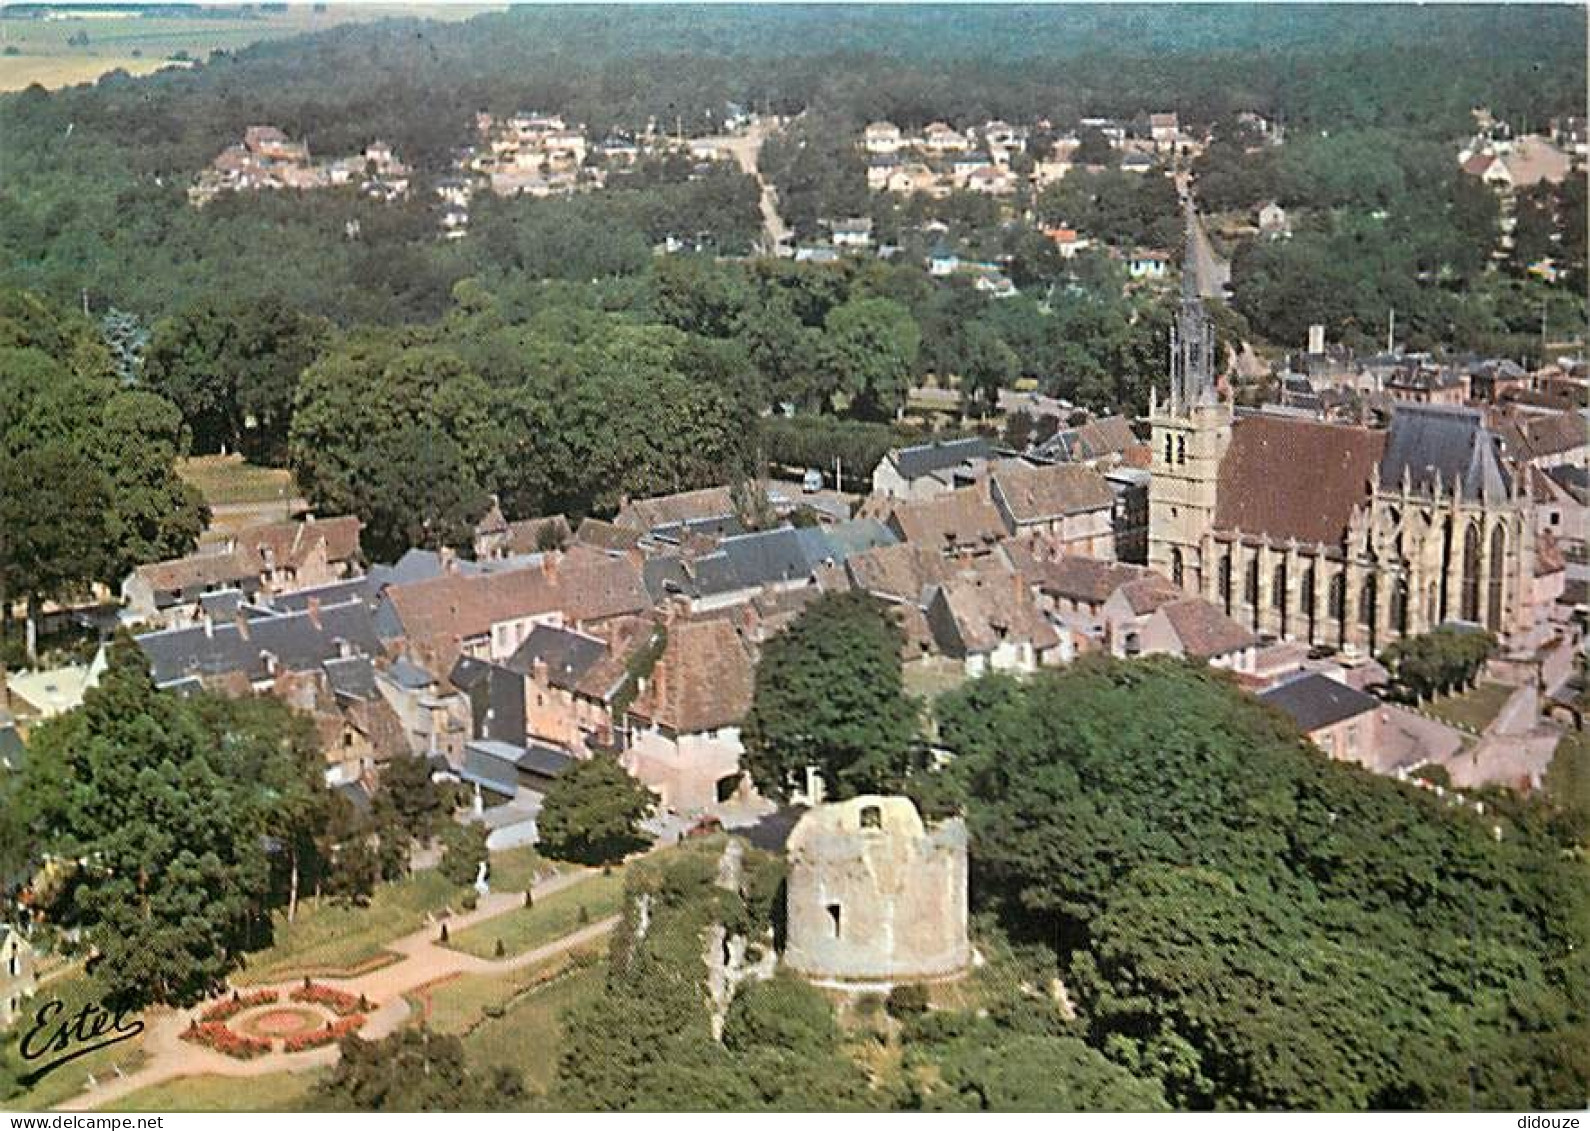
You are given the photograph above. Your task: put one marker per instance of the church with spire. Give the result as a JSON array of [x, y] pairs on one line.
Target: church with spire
[[1336, 534]]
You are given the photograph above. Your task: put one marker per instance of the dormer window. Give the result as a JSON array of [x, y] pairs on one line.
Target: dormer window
[[871, 817]]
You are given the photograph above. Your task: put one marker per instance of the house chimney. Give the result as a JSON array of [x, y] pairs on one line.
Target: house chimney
[[448, 559], [314, 612], [269, 659], [209, 625], [241, 621]]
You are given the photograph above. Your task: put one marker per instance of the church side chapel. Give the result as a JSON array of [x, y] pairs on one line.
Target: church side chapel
[[1338, 535]]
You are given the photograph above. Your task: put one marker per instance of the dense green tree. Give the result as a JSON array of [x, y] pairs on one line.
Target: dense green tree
[[232, 367], [1254, 925], [593, 813], [170, 873], [871, 354], [415, 1069], [87, 464], [463, 852], [829, 697], [1438, 662]]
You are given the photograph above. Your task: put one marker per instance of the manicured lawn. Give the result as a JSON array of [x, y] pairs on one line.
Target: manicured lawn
[[228, 479], [551, 918], [460, 1004], [1474, 709], [280, 1091], [327, 937], [514, 869], [529, 1036], [69, 1079]]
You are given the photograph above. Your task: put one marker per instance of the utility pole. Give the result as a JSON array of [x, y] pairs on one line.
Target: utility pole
[[1391, 331]]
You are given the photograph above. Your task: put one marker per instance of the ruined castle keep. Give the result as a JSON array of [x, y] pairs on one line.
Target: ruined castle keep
[[875, 896]]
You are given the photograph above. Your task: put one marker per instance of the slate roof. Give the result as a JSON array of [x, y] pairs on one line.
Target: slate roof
[[1442, 445], [409, 676], [1314, 701], [940, 455], [766, 557], [292, 638], [1290, 478], [351, 677], [568, 655], [337, 593]]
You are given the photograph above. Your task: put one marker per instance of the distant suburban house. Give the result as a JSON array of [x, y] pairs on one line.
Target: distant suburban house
[[1147, 263], [855, 232], [274, 558], [925, 470], [1273, 220]]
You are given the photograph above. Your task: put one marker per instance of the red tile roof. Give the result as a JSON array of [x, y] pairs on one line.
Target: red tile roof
[[1288, 478], [703, 679]]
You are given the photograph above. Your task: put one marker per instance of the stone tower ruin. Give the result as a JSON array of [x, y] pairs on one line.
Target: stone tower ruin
[[875, 896]]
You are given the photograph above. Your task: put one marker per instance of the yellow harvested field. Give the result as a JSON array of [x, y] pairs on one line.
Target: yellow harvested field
[[141, 44]]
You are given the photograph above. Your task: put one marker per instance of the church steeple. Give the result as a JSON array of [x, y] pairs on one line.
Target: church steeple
[[1192, 337]]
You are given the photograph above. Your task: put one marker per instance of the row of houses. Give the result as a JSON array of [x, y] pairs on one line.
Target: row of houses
[[940, 159], [266, 159]]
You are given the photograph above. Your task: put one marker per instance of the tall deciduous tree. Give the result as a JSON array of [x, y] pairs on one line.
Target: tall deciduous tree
[[829, 696], [593, 813]]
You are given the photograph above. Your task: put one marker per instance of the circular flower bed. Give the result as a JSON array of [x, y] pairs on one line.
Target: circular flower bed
[[282, 1021], [253, 1025]]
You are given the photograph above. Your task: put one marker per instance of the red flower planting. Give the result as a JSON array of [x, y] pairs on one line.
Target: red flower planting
[[341, 1003], [335, 1031], [217, 1036], [236, 1004]]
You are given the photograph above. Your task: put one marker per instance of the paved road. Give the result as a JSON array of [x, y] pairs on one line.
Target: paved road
[[747, 148], [423, 961], [1214, 273]]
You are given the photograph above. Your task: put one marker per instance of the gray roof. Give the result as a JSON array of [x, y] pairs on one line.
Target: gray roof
[[291, 638], [352, 677], [1316, 701], [337, 593], [1447, 444], [496, 698], [925, 459], [409, 675], [567, 655]]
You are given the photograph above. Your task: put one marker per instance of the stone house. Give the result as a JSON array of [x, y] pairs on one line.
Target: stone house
[[684, 725], [1068, 506], [960, 523], [926, 470], [278, 557]]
